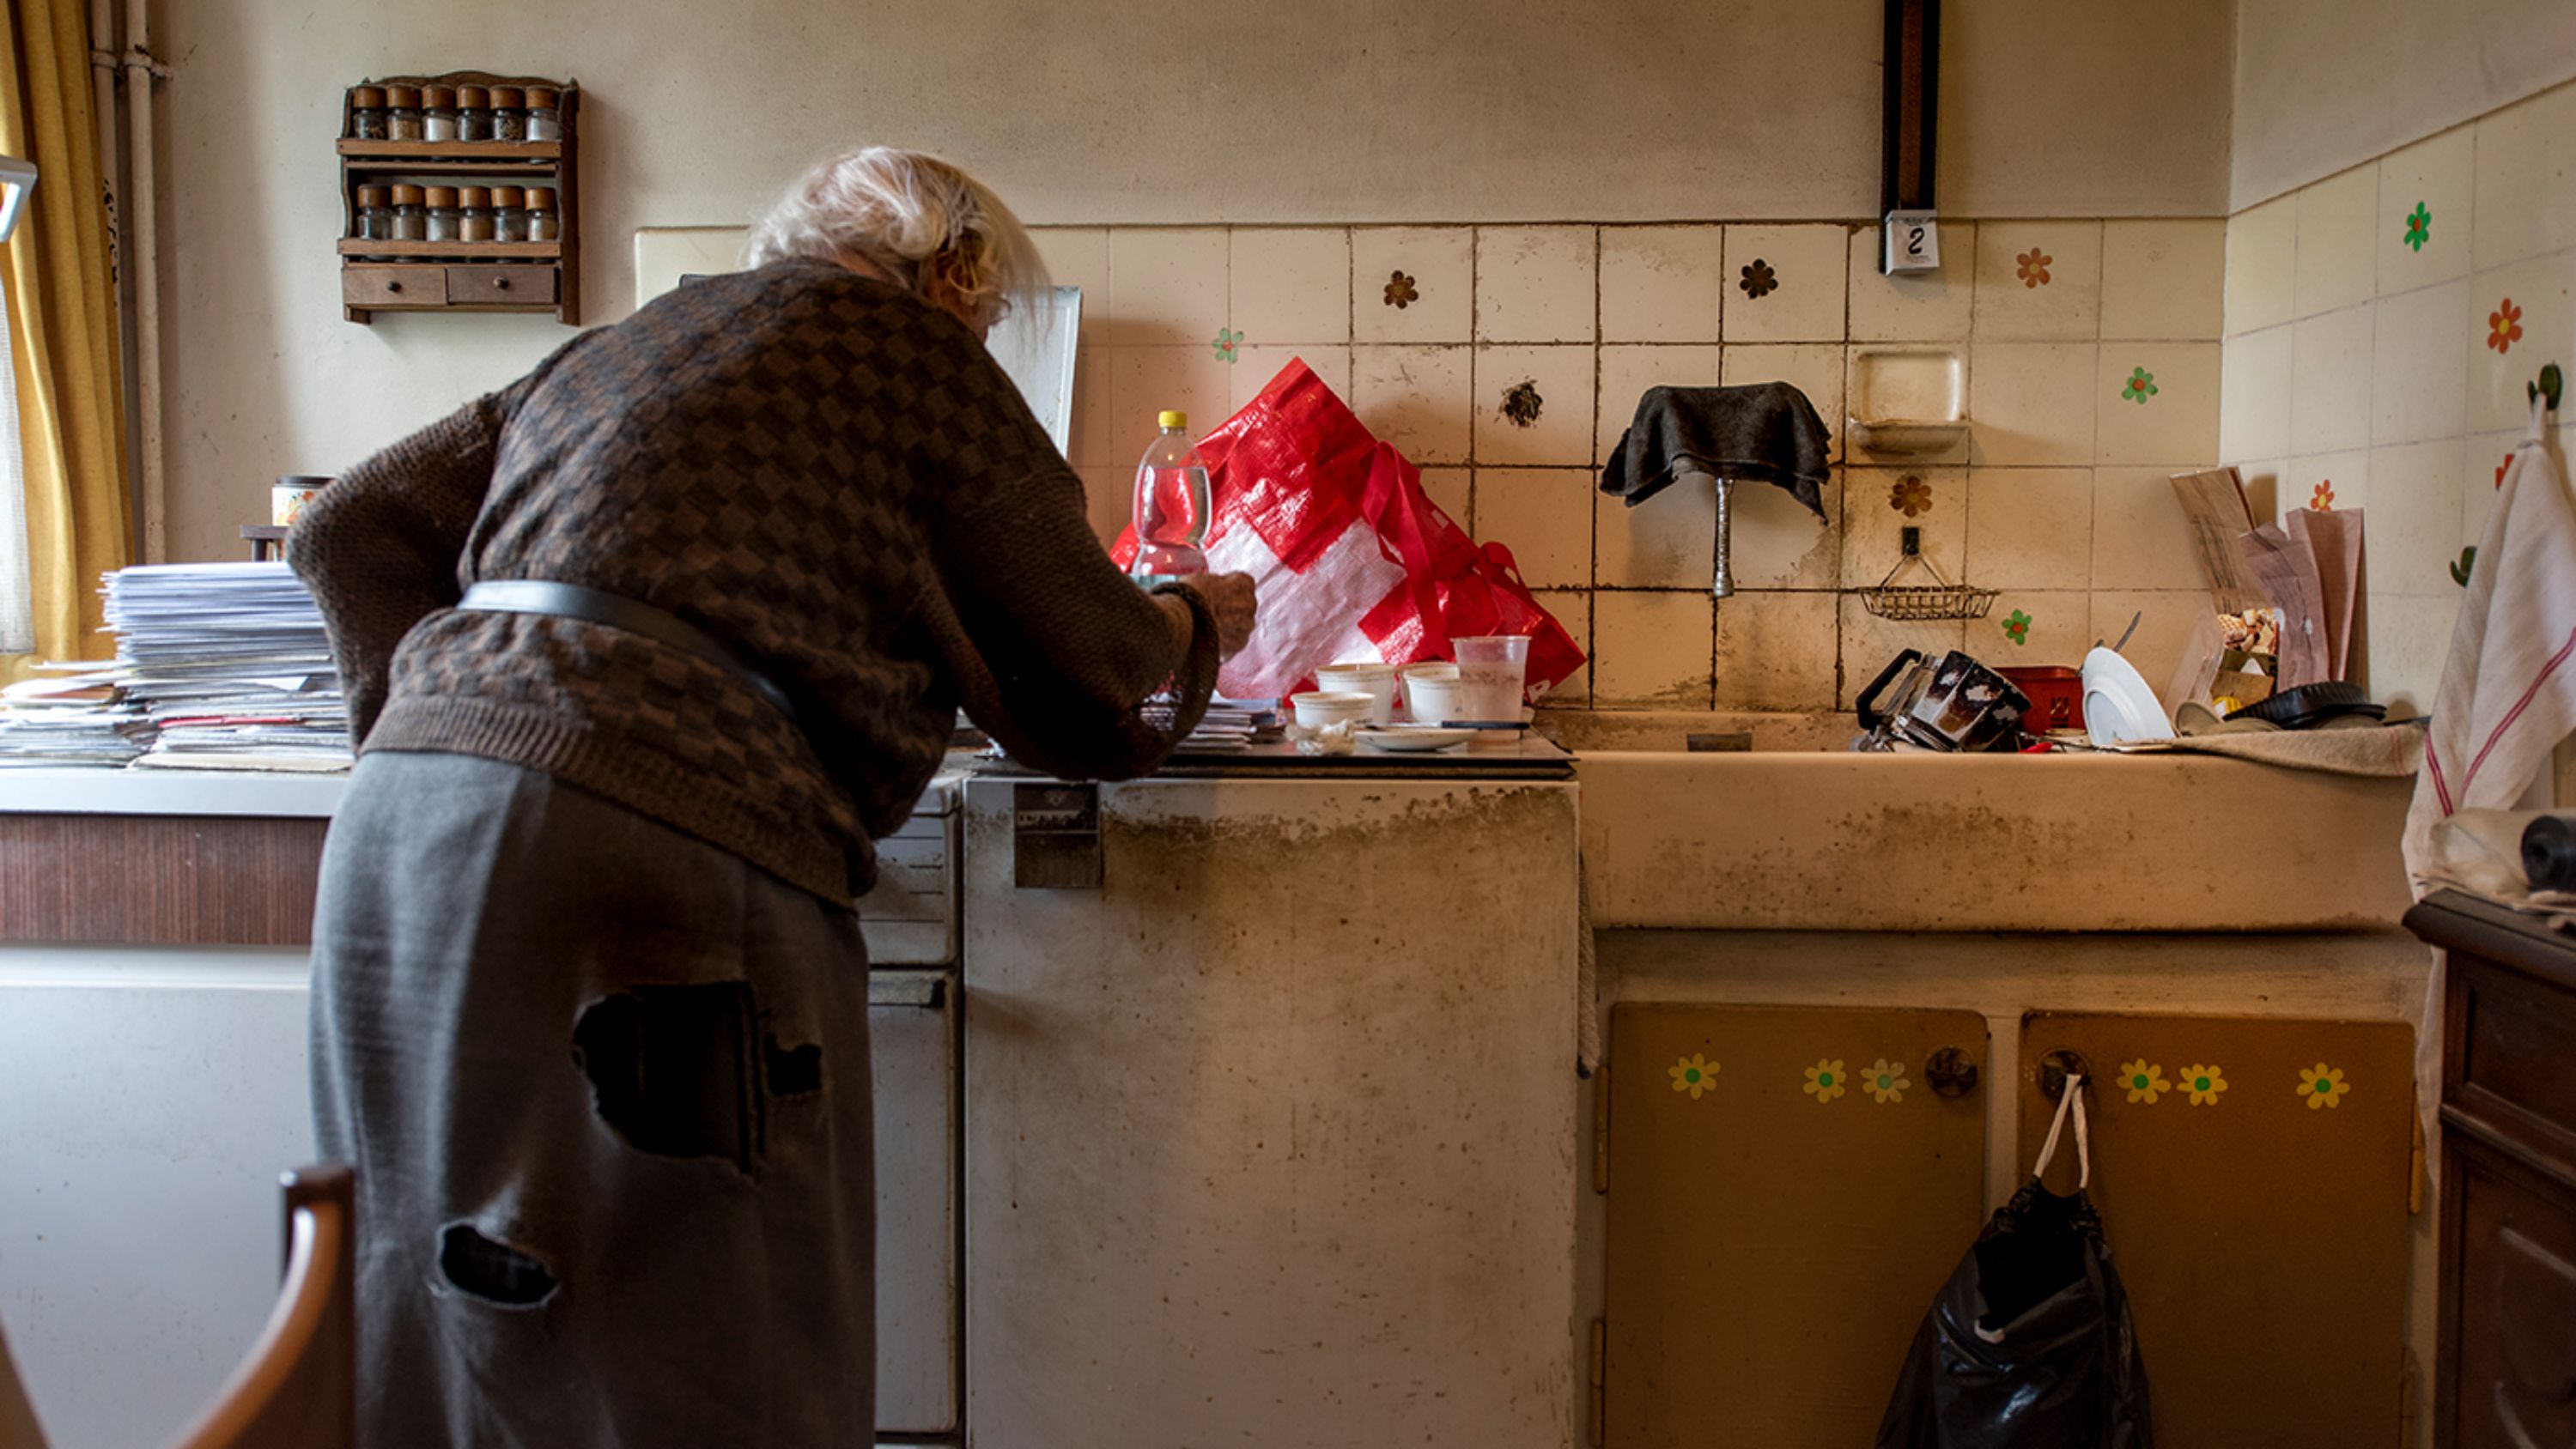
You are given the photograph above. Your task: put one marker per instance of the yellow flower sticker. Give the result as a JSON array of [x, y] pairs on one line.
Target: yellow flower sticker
[[2144, 1080], [1885, 1080], [1825, 1081], [1694, 1074], [2204, 1084], [2323, 1086]]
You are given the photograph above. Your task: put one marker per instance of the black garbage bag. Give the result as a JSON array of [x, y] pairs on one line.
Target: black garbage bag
[[2030, 1344]]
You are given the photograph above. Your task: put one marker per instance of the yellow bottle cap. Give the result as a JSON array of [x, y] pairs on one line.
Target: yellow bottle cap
[[1175, 419]]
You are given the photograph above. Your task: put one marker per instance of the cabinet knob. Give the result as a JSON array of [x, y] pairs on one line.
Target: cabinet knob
[[500, 284], [1951, 1074], [393, 286]]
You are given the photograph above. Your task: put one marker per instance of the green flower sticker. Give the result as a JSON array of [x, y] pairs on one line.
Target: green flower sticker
[[2140, 386], [1694, 1074], [1885, 1080], [2323, 1086], [2204, 1084], [2419, 226], [1227, 339], [2017, 627], [2143, 1080], [1825, 1080]]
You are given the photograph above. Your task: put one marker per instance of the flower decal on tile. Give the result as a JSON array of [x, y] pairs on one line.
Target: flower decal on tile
[[2034, 267], [2143, 1080], [2419, 226], [1521, 403], [1694, 1074], [1759, 280], [1885, 1081], [2203, 1084], [1227, 339], [2323, 498], [1910, 495], [2140, 386], [2468, 561], [1825, 1081], [2323, 1086], [1400, 291], [2017, 627], [2504, 326]]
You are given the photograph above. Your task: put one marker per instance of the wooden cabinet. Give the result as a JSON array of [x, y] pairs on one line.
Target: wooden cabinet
[[2508, 1330], [1788, 1188], [382, 275], [2257, 1217]]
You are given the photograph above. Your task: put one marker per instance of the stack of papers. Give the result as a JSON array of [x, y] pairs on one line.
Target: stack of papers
[[218, 667], [230, 664], [1229, 724], [79, 719]]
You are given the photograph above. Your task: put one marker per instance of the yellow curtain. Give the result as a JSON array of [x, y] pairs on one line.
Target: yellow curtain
[[62, 332]]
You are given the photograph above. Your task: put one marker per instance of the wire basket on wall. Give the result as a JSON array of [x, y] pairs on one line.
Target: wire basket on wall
[[1918, 603]]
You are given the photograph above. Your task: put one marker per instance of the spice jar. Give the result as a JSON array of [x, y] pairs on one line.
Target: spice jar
[[509, 121], [411, 218], [367, 121], [544, 222], [438, 113], [474, 213], [402, 113], [545, 114], [375, 214], [445, 222], [509, 214], [473, 113]]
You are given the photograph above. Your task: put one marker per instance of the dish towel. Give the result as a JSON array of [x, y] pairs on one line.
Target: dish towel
[[1766, 431], [2480, 851], [2508, 693]]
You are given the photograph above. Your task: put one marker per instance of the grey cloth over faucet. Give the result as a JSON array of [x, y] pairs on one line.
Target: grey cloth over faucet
[[609, 1086], [1766, 431]]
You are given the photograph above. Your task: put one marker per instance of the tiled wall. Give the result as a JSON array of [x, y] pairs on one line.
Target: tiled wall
[[2381, 327], [2093, 363]]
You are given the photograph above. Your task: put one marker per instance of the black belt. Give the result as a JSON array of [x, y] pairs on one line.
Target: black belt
[[570, 601]]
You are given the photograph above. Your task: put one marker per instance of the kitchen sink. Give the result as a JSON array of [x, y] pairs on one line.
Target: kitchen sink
[[1796, 833]]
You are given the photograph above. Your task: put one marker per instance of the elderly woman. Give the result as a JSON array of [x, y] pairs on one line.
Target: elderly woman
[[642, 651]]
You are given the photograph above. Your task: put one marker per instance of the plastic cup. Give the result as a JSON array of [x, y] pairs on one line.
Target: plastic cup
[[1318, 707], [1377, 681], [1433, 700], [1491, 671]]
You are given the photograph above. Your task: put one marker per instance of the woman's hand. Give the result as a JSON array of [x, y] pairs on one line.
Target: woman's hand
[[1230, 598]]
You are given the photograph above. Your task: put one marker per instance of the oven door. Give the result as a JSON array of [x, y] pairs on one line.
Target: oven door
[[912, 1025]]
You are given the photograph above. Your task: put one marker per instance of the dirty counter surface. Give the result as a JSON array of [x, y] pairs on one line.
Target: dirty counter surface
[[1505, 756]]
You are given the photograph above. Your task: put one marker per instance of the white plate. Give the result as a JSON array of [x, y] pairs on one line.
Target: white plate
[[2119, 708], [1416, 739]]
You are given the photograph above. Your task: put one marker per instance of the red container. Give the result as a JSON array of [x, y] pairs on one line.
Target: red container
[[2056, 696]]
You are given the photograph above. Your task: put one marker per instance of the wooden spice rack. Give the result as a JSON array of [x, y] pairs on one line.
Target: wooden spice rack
[[457, 276]]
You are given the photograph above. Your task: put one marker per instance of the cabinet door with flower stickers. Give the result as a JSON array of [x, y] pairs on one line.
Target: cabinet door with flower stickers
[[2253, 1176], [1787, 1187]]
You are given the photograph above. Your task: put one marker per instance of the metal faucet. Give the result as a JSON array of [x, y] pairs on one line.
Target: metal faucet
[[1724, 584]]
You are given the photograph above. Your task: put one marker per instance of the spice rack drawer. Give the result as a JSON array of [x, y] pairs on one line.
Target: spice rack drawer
[[500, 286], [395, 286]]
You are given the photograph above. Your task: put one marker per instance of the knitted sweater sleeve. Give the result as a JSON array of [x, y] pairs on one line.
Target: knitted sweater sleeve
[[379, 547], [1053, 649]]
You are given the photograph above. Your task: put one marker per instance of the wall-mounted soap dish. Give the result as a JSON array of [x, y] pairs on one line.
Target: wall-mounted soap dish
[[1908, 401]]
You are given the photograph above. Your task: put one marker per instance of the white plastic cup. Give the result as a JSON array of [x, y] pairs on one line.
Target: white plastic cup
[[1434, 672], [1433, 700], [1491, 671], [1317, 708], [1377, 681]]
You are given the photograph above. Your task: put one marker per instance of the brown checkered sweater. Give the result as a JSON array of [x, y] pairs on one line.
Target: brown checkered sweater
[[820, 469]]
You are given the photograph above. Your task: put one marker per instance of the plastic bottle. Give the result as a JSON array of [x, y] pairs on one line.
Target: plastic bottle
[[1171, 506]]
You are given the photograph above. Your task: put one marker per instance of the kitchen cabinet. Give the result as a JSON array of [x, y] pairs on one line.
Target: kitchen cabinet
[[2254, 1178], [912, 1049], [1271, 1136], [2508, 1312], [1787, 1188]]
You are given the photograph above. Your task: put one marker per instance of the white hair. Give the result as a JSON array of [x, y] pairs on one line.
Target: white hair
[[914, 217]]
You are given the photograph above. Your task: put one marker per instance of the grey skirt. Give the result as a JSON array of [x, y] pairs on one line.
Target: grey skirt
[[606, 1091]]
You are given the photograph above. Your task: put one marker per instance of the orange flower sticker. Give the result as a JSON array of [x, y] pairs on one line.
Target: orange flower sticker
[[1910, 495], [2323, 499], [2504, 326], [2034, 267]]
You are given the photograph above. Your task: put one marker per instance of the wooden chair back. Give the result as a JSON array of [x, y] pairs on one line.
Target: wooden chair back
[[298, 1387]]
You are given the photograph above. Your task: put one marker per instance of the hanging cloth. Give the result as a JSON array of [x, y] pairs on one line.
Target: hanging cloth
[[60, 291]]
